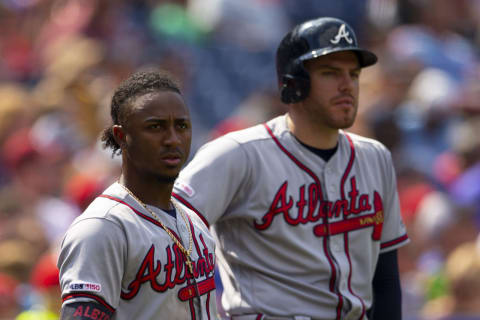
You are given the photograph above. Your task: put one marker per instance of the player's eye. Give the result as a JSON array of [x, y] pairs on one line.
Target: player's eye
[[328, 73], [355, 75], [183, 125], [153, 126]]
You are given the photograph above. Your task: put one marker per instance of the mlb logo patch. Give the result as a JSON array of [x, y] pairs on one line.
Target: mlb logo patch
[[189, 191], [85, 286]]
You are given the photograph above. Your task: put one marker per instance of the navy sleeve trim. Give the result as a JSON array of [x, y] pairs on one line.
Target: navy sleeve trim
[[85, 310], [393, 242], [90, 296]]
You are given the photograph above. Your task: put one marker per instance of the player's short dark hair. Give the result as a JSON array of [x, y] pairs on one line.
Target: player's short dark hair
[[138, 84]]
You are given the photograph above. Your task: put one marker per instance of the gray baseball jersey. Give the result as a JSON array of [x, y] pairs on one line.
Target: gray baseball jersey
[[117, 254], [296, 236]]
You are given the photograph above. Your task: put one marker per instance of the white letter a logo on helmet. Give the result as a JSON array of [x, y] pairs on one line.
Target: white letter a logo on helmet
[[342, 33]]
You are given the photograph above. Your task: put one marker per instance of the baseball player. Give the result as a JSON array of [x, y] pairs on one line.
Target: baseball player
[[305, 215], [135, 253]]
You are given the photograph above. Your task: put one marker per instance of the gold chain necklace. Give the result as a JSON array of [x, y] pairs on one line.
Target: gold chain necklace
[[186, 252]]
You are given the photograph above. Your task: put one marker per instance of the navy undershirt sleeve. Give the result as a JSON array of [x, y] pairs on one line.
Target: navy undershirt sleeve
[[86, 310], [387, 294]]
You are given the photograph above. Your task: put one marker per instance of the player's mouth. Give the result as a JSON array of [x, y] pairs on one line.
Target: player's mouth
[[171, 159], [343, 102]]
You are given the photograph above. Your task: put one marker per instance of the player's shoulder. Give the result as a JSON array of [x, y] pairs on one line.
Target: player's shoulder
[[106, 207], [240, 144], [369, 149], [259, 132], [365, 144]]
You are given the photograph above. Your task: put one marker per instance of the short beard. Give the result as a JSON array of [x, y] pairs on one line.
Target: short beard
[[166, 179]]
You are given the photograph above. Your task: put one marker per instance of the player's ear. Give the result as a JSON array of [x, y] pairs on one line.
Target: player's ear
[[119, 134]]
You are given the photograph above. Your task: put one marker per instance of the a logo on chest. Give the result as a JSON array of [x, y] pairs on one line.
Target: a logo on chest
[[352, 212], [174, 272]]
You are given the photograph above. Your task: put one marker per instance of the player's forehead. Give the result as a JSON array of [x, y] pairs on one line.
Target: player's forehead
[[344, 59], [161, 104]]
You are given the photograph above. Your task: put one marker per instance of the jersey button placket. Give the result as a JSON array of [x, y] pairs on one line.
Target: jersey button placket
[[329, 183], [331, 189], [336, 246], [183, 234]]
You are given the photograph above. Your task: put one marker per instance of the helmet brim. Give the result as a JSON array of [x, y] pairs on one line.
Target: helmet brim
[[366, 58]]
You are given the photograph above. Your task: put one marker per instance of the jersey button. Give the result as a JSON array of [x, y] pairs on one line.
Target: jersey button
[[337, 247]]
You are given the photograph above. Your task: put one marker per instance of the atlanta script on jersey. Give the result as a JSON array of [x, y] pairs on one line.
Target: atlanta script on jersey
[[298, 236], [117, 254]]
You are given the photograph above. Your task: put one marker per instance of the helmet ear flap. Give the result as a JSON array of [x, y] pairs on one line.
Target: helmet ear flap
[[294, 88]]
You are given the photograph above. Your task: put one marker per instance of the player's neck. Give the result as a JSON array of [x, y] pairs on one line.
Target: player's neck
[[314, 136], [149, 191]]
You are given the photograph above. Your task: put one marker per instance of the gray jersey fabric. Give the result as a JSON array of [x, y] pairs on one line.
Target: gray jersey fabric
[[296, 236], [117, 254]]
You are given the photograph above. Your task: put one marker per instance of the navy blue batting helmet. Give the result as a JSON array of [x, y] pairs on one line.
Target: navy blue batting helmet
[[310, 40]]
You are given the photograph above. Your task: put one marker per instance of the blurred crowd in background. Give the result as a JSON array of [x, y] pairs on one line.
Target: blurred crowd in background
[[60, 61]]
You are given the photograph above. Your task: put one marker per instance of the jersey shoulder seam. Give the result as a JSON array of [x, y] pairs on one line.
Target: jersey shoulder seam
[[362, 139], [368, 144], [106, 217], [237, 136]]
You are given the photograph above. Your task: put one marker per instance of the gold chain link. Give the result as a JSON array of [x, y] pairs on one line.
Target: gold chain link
[[186, 252]]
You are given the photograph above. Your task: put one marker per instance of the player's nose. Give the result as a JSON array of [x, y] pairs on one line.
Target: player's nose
[[346, 82], [172, 136]]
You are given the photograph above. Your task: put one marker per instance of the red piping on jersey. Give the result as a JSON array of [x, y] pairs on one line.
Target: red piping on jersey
[[191, 207], [190, 302], [91, 296], [152, 220], [349, 166], [197, 247], [205, 283], [320, 193], [208, 302], [345, 235], [208, 294], [394, 242]]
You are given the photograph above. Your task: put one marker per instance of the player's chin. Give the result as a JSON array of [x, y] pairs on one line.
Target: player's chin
[[345, 120], [167, 178], [345, 124], [342, 122], [167, 173]]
